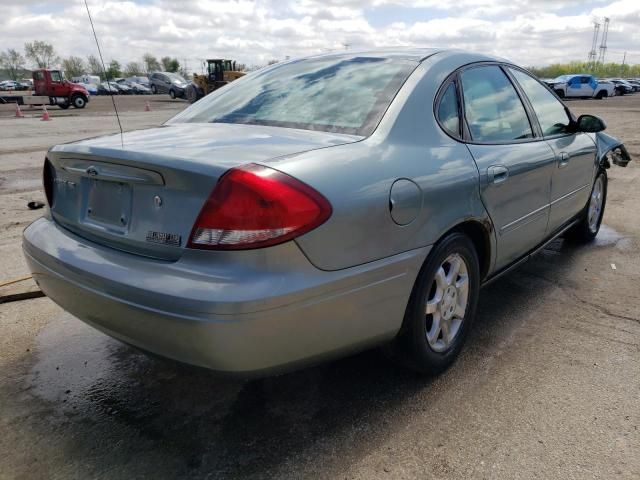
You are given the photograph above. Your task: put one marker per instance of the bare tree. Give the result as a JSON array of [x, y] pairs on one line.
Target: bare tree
[[13, 62], [73, 66], [132, 69], [42, 54], [151, 63], [94, 65]]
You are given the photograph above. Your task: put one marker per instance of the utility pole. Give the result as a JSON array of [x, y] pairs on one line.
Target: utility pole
[[624, 59], [603, 43]]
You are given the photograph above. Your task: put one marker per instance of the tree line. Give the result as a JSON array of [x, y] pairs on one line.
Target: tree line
[[597, 69], [43, 55]]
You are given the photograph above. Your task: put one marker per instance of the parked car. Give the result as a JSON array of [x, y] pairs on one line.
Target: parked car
[[106, 88], [167, 82], [122, 88], [136, 88], [319, 207], [621, 86], [635, 84], [141, 80], [91, 88], [581, 86], [8, 85]]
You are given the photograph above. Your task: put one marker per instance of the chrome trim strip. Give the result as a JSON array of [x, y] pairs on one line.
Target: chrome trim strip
[[529, 216], [513, 225], [564, 197]]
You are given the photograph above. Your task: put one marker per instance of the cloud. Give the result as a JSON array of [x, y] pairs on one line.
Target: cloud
[[528, 32]]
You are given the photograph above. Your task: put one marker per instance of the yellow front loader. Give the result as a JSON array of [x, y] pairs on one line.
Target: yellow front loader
[[219, 73]]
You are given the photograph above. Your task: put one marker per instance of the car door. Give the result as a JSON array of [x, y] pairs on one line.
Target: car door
[[514, 164], [575, 152]]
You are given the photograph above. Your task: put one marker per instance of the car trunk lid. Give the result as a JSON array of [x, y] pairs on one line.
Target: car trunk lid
[[142, 193]]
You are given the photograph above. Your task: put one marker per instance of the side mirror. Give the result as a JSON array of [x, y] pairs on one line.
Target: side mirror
[[590, 124]]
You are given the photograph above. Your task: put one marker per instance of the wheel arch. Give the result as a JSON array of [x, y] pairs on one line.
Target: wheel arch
[[481, 235]]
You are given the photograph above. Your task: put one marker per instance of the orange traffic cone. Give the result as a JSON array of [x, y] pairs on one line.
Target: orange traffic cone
[[147, 107], [45, 114], [19, 113]]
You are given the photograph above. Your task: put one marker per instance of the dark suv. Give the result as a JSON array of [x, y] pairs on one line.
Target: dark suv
[[167, 82]]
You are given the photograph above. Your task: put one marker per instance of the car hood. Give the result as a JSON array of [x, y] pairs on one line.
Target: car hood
[[220, 143]]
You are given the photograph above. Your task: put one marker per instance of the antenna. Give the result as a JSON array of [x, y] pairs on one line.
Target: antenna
[[603, 43], [113, 100]]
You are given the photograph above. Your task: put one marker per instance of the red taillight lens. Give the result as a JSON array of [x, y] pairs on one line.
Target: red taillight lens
[[255, 206]]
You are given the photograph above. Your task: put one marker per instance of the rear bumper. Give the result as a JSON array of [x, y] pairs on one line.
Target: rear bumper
[[251, 312]]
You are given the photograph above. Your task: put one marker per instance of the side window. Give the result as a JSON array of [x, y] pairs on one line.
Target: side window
[[584, 80], [56, 77], [448, 110], [492, 107], [39, 76], [552, 115]]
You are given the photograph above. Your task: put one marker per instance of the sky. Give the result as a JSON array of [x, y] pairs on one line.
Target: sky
[[529, 33]]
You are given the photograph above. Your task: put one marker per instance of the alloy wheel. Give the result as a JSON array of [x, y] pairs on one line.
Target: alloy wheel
[[446, 303], [595, 205]]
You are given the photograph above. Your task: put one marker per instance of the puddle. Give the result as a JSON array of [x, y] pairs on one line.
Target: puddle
[[82, 371], [607, 236]]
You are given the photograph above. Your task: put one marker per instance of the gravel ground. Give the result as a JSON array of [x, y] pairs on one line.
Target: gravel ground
[[548, 385]]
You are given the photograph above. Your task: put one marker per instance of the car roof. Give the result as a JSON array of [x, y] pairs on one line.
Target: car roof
[[416, 54]]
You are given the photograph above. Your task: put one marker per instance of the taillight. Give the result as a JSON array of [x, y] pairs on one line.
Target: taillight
[[255, 206], [47, 181]]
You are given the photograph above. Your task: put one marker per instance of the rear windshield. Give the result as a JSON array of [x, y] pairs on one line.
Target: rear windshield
[[342, 95]]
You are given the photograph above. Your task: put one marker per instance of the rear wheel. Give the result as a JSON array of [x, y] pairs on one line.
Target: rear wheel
[[172, 94], [441, 308], [591, 218], [154, 90], [602, 94]]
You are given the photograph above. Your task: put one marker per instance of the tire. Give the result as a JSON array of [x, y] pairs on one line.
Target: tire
[[602, 94], [560, 93], [172, 94], [154, 90], [64, 106], [591, 217], [78, 101], [421, 344]]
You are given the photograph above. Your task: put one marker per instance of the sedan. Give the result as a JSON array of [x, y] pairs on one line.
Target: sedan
[[319, 207]]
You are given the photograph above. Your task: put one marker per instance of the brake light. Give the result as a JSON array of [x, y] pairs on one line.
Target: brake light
[[254, 207]]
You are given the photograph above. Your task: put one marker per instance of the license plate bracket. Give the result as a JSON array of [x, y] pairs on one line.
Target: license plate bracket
[[107, 205]]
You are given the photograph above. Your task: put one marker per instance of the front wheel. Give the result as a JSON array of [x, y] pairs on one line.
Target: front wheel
[[172, 94], [154, 90], [441, 308], [78, 101], [591, 217]]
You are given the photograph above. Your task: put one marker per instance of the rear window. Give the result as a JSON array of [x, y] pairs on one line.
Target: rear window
[[342, 95]]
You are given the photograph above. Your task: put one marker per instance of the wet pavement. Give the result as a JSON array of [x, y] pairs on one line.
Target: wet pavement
[[548, 386]]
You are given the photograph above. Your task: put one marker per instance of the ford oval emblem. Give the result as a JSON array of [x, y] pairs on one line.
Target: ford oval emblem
[[92, 171]]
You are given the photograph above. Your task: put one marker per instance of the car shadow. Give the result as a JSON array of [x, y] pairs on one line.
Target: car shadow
[[195, 423]]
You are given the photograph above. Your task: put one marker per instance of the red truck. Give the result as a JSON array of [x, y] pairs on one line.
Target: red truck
[[51, 88]]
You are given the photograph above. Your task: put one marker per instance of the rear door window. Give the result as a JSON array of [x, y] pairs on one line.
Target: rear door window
[[492, 106], [552, 115], [448, 112]]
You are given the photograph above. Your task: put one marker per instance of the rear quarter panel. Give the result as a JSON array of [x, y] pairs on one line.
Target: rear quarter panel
[[357, 178]]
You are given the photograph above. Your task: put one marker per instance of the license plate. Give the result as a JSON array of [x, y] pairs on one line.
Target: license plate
[[108, 204]]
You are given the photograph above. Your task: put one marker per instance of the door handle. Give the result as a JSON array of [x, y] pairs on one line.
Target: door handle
[[563, 159], [497, 173]]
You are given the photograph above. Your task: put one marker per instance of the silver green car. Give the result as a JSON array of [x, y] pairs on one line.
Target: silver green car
[[318, 207]]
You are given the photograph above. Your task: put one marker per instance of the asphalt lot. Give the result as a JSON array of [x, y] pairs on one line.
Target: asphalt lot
[[547, 387]]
